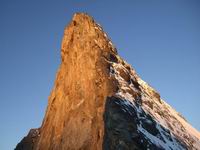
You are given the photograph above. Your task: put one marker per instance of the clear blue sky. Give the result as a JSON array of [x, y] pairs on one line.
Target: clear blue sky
[[160, 39]]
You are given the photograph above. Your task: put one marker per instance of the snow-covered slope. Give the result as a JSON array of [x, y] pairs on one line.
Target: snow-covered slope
[[172, 130]]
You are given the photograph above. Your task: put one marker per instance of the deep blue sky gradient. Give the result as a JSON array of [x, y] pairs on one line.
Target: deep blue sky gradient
[[160, 39]]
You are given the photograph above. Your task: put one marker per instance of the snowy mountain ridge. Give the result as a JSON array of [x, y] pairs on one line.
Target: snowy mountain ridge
[[151, 103]]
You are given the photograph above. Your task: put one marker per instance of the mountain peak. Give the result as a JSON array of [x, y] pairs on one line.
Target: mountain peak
[[82, 17], [83, 31], [99, 102]]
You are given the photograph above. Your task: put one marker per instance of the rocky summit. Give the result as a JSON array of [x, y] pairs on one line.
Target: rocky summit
[[100, 103]]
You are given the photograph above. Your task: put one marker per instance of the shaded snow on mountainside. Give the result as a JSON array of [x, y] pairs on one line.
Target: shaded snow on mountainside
[[99, 102], [173, 131]]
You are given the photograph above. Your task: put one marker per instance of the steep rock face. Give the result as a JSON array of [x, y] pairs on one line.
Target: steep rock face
[[74, 116], [99, 102]]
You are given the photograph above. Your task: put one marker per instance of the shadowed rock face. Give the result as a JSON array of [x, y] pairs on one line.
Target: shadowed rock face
[[122, 120], [29, 141], [99, 102]]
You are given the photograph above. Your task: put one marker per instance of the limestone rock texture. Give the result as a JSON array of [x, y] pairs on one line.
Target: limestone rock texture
[[99, 102]]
